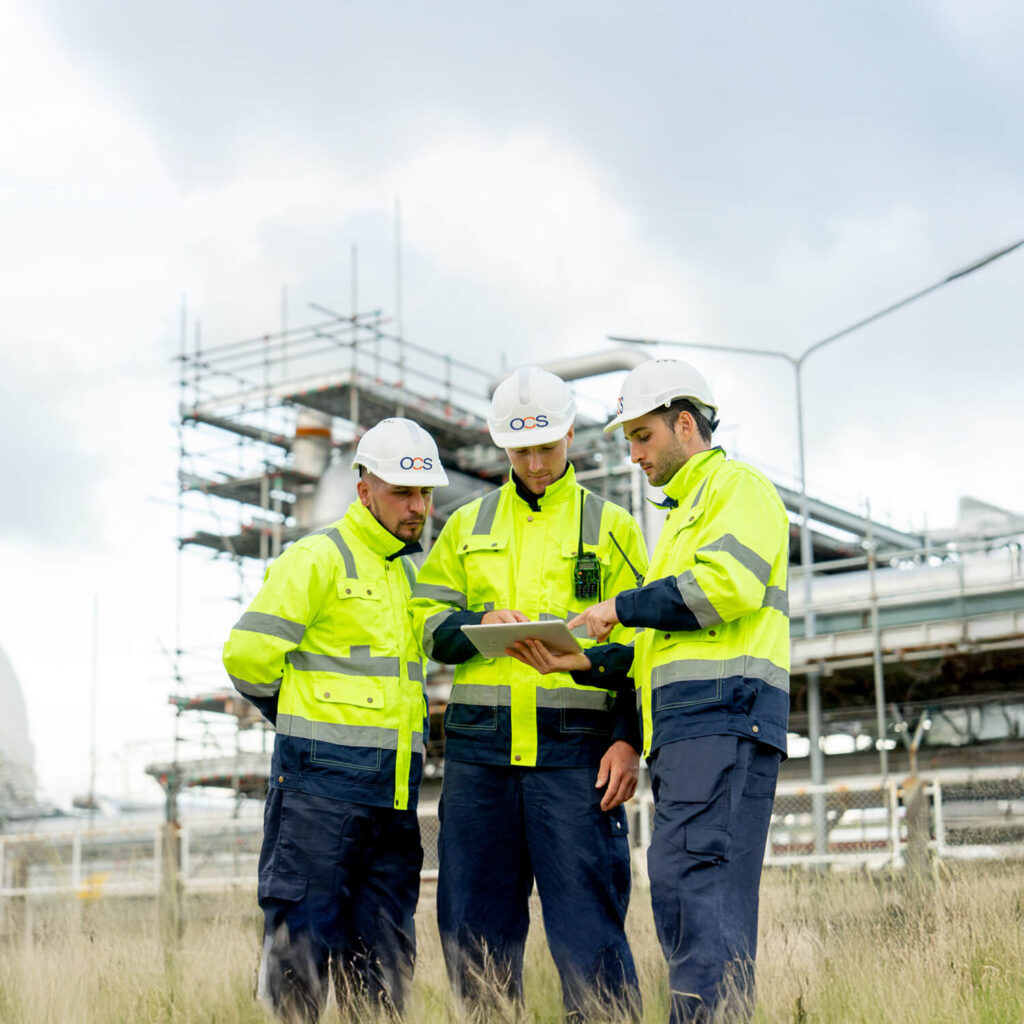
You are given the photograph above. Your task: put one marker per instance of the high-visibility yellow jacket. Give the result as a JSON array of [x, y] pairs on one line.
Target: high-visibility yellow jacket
[[499, 552], [327, 648], [726, 546]]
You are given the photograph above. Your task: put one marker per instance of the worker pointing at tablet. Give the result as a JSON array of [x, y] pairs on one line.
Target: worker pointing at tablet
[[536, 766], [711, 670]]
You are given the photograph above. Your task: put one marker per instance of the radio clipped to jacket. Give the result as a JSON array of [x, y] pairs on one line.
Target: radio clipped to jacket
[[586, 576]]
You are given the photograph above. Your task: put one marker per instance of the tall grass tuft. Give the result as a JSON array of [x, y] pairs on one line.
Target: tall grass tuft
[[834, 947]]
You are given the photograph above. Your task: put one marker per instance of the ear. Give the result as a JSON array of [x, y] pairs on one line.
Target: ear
[[570, 436], [685, 425], [363, 490]]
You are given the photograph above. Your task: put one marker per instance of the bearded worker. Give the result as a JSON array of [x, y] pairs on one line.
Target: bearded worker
[[711, 669], [327, 653]]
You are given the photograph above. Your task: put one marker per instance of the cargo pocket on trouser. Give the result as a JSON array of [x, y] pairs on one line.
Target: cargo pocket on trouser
[[619, 863], [707, 845], [687, 859], [282, 887], [292, 981]]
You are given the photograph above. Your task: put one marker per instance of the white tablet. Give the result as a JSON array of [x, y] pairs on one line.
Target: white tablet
[[492, 640]]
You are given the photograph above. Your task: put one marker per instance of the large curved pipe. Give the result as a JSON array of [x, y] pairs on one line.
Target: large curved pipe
[[578, 367]]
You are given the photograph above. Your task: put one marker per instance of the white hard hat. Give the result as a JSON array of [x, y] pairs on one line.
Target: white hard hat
[[530, 407], [402, 453], [659, 383]]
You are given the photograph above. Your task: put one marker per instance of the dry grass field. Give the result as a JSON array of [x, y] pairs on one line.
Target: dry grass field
[[835, 949]]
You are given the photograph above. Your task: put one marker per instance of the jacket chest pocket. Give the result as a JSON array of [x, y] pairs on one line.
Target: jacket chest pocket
[[681, 533], [361, 615], [486, 570]]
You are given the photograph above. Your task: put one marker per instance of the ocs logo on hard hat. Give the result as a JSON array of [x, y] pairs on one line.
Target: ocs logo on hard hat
[[619, 405], [408, 462], [528, 423]]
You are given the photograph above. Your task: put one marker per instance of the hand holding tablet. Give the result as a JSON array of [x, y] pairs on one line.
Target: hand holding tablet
[[492, 640]]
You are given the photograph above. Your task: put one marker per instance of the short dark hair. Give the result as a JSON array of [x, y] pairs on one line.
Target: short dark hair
[[671, 414]]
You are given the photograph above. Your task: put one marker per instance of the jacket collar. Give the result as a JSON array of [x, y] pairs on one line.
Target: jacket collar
[[555, 493], [370, 533], [690, 473]]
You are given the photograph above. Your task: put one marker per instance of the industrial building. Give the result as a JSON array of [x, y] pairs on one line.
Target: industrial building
[[917, 637], [912, 668]]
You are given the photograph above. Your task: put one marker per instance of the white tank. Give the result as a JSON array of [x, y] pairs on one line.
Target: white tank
[[311, 452], [333, 495], [17, 759]]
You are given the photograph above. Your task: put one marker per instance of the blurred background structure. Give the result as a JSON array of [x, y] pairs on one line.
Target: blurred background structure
[[266, 430], [17, 771]]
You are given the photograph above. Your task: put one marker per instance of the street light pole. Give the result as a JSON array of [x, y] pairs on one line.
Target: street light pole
[[806, 546]]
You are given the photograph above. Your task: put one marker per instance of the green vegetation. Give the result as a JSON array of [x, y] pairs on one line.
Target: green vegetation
[[835, 949]]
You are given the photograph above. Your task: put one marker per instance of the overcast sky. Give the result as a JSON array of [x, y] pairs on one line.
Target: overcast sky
[[756, 174]]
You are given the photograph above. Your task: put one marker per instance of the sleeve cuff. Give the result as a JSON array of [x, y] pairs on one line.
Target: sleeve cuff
[[609, 667], [625, 607]]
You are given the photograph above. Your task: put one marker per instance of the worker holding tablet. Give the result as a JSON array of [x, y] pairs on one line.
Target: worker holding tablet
[[712, 677], [536, 766]]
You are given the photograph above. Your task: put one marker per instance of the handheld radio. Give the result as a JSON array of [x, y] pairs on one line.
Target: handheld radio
[[587, 574]]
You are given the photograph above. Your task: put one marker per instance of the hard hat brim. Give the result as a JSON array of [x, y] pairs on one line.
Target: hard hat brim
[[618, 422]]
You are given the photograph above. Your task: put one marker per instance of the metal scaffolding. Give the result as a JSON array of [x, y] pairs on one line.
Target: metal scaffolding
[[265, 428]]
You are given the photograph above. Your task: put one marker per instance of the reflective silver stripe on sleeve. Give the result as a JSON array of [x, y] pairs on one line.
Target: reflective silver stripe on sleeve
[[694, 669], [344, 550], [243, 686], [592, 508], [777, 598], [486, 696], [485, 514], [373, 736], [271, 625], [430, 627], [700, 491], [696, 600], [415, 671], [747, 557], [570, 697], [435, 592], [360, 665], [410, 570]]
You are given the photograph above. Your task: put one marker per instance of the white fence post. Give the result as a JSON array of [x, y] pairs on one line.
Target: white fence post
[[894, 821], [185, 865], [158, 857], [76, 861], [940, 824], [646, 806]]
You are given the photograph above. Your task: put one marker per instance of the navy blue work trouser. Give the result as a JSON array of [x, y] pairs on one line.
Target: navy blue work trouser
[[338, 888], [712, 805], [501, 827]]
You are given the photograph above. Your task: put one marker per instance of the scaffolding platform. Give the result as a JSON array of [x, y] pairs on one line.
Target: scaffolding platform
[[251, 490]]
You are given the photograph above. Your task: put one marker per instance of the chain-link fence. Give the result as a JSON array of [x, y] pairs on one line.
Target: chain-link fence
[[973, 815], [128, 860]]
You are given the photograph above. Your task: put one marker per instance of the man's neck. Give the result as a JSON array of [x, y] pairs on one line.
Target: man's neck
[[532, 499]]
